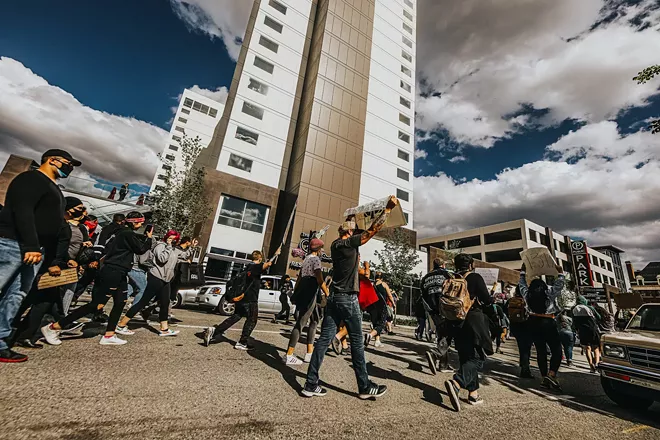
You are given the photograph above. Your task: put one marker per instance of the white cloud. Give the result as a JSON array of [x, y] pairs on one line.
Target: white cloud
[[609, 194], [224, 19], [219, 94], [36, 116], [488, 59], [421, 154], [457, 159]]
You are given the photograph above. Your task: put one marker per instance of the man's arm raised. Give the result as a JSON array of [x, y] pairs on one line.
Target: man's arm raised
[[379, 222]]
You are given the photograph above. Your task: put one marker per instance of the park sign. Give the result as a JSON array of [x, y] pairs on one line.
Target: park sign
[[581, 264]]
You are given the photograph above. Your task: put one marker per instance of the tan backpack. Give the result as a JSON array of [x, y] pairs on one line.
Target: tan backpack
[[455, 302]]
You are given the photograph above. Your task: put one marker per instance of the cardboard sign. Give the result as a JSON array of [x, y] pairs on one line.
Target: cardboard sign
[[68, 276], [367, 213], [538, 261], [489, 275]]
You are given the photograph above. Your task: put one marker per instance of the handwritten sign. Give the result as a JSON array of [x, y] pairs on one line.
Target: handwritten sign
[[489, 275], [538, 261], [68, 276], [367, 213]]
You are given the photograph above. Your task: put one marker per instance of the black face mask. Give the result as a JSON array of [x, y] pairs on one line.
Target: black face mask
[[77, 213], [64, 170]]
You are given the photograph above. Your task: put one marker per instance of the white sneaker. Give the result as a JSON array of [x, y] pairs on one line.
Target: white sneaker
[[51, 335], [124, 331], [240, 346], [308, 358], [378, 343], [168, 332], [292, 360], [112, 340]]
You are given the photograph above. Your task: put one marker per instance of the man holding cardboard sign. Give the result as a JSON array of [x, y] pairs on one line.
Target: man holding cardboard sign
[[538, 261]]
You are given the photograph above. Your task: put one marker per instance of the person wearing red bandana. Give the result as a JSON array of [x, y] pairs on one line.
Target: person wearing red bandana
[[111, 281]]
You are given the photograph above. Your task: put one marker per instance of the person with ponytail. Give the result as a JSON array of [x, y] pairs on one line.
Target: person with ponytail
[[166, 255]]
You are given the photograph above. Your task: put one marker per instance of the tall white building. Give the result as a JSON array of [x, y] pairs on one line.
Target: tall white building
[[320, 113], [196, 116]]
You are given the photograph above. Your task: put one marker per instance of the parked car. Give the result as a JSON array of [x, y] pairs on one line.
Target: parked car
[[630, 368]]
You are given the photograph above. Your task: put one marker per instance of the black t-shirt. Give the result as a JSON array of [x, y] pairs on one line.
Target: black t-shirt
[[122, 249], [344, 255], [34, 212], [253, 282], [478, 290], [432, 287]]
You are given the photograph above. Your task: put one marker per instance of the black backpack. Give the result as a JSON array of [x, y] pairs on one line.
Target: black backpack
[[237, 286], [537, 297]]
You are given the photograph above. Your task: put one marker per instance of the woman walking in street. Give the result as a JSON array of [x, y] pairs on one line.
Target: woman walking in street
[[305, 298], [585, 320], [166, 256], [378, 310]]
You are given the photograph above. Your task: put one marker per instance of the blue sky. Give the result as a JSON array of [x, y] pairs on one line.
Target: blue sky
[[525, 108]]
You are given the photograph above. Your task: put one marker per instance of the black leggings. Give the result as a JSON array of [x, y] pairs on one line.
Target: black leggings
[[41, 303], [155, 287], [545, 332], [311, 315], [111, 283], [249, 311]]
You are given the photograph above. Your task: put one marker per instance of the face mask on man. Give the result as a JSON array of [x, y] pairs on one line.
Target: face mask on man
[[64, 170]]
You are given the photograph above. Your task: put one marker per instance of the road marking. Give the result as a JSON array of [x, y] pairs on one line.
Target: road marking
[[635, 429], [202, 327]]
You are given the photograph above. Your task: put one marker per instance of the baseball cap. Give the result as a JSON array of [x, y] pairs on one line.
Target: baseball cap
[[71, 202], [315, 244], [55, 152]]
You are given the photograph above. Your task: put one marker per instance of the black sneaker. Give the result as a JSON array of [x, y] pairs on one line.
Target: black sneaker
[[314, 391], [336, 346], [545, 383], [475, 400], [431, 358], [367, 339], [453, 395], [11, 357], [554, 384], [373, 391], [27, 343], [101, 318], [526, 374]]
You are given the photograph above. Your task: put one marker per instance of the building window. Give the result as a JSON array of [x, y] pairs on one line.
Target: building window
[[181, 129], [532, 236], [466, 242], [185, 110], [183, 120], [407, 42], [409, 3], [277, 6], [405, 86], [404, 102], [406, 56], [247, 136], [277, 27], [403, 195], [401, 174], [188, 102], [176, 138], [239, 162], [598, 277], [253, 110], [268, 44], [405, 214], [404, 137], [408, 15], [263, 65], [403, 155], [213, 112], [403, 118], [169, 157], [594, 260], [167, 167], [257, 86], [174, 148], [162, 177], [405, 70], [562, 247], [640, 281], [609, 266], [502, 256], [407, 28], [242, 214], [503, 236]]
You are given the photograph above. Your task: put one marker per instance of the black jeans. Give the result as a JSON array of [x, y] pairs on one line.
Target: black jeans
[[286, 308], [155, 287], [546, 334], [249, 311], [524, 339], [41, 303], [112, 282], [85, 280], [341, 307], [471, 359]]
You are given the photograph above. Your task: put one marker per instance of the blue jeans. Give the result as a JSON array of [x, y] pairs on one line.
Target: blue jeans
[[341, 307], [137, 282], [567, 341], [16, 280]]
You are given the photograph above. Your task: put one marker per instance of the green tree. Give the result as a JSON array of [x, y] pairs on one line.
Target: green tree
[[181, 203], [643, 77], [398, 259]]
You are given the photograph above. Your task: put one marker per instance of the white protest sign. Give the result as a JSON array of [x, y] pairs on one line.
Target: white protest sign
[[367, 213], [489, 275], [538, 261]]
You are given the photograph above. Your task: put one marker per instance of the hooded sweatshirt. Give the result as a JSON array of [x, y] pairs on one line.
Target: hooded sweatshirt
[[166, 257]]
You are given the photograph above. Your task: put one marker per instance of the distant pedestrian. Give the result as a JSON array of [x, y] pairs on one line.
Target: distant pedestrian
[[113, 193], [518, 313], [140, 200], [123, 191], [585, 320], [286, 290], [378, 310], [30, 225], [431, 285], [566, 335]]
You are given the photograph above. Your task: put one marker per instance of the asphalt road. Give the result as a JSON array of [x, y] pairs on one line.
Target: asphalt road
[[174, 388]]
